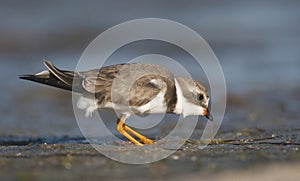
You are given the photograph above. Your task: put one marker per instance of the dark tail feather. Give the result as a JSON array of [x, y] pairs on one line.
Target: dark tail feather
[[60, 74], [56, 78], [52, 81]]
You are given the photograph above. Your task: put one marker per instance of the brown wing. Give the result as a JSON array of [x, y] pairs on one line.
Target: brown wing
[[126, 84]]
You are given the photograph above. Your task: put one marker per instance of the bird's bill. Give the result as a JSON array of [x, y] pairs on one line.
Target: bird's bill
[[207, 114]]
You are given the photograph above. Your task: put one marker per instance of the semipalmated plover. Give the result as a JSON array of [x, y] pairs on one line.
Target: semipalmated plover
[[135, 88]]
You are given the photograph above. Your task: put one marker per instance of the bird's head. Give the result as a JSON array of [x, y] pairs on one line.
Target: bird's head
[[192, 97]]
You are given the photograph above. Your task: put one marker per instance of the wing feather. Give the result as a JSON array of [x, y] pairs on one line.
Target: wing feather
[[132, 84]]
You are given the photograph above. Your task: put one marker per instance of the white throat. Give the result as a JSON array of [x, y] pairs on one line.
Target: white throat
[[183, 106]]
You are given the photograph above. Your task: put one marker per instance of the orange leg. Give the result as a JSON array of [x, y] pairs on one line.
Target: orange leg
[[143, 138], [122, 128]]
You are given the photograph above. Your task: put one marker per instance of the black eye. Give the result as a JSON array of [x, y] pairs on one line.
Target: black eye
[[200, 97]]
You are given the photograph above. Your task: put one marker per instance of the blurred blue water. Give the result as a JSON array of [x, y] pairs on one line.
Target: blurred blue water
[[257, 44]]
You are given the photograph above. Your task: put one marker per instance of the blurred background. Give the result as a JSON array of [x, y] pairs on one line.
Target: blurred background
[[257, 43]]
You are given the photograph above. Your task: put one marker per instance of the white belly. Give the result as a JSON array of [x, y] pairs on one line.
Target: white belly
[[155, 106]]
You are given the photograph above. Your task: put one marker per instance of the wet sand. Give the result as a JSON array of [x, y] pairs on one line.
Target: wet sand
[[251, 144], [231, 157]]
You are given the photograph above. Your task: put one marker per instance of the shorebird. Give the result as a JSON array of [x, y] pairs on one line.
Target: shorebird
[[135, 88]]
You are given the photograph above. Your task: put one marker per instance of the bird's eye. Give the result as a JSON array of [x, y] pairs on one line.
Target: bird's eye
[[200, 97]]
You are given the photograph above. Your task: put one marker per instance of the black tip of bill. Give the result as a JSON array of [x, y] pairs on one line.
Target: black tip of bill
[[209, 116]]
